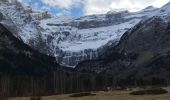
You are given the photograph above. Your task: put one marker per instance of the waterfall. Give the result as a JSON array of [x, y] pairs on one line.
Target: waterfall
[[91, 55]]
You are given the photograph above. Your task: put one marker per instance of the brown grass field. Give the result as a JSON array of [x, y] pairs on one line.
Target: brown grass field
[[112, 95]]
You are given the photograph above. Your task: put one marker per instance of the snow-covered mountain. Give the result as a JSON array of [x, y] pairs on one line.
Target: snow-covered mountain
[[72, 40], [142, 53], [69, 39], [20, 22]]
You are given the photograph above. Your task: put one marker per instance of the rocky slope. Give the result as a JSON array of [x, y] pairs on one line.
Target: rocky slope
[[143, 53], [21, 23], [72, 40], [27, 72], [19, 58]]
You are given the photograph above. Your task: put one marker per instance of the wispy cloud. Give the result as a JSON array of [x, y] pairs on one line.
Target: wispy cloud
[[88, 7], [103, 6], [64, 4]]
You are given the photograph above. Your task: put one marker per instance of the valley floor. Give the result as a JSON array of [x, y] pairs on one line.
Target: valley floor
[[112, 95]]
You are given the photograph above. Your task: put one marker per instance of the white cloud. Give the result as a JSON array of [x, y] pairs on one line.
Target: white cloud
[[64, 4], [96, 6], [20, 0], [159, 3], [103, 6]]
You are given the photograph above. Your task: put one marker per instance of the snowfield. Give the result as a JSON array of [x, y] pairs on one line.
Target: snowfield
[[94, 38]]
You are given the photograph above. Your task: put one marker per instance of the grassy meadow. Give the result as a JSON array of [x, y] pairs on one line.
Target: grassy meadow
[[111, 95]]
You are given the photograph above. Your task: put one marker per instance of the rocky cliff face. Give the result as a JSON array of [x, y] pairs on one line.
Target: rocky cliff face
[[72, 40], [22, 24], [19, 58], [142, 53]]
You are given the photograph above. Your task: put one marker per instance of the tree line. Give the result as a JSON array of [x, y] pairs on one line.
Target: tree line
[[63, 82]]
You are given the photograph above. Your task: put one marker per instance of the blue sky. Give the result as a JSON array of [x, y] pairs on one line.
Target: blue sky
[[54, 10], [88, 7]]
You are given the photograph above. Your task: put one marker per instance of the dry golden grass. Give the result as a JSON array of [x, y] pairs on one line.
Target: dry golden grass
[[113, 95]]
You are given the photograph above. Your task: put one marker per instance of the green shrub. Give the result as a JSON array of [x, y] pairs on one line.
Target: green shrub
[[36, 98], [82, 94], [152, 91]]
